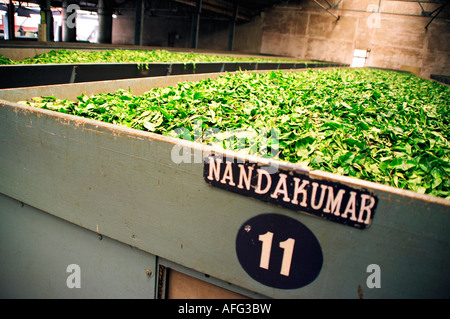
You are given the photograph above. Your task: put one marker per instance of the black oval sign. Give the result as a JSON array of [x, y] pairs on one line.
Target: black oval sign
[[278, 251]]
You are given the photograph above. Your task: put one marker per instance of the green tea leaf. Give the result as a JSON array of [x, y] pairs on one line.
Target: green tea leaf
[[386, 127]]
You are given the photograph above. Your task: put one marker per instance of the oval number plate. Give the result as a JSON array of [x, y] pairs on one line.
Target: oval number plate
[[278, 251]]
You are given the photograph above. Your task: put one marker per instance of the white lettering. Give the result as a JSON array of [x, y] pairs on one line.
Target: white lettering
[[214, 169], [300, 190], [313, 195], [195, 309], [243, 177], [74, 279], [356, 206], [258, 189], [374, 20], [246, 308], [71, 18], [228, 174], [374, 280], [334, 203], [266, 248], [367, 208], [281, 188], [351, 207], [185, 156]]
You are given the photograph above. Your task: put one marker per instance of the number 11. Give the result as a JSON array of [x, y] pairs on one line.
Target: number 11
[[287, 246]]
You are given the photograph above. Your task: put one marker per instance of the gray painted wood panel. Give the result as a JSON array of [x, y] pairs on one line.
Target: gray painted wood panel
[[123, 183]]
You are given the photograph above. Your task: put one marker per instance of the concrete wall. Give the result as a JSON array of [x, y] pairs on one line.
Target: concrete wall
[[396, 40], [396, 37], [247, 37], [213, 34], [156, 30]]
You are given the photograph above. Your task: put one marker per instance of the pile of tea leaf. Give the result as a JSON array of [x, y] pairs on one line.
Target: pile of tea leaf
[[132, 56], [386, 127]]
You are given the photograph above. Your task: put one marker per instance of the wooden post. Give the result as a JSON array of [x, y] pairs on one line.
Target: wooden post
[[196, 24], [104, 21], [139, 22], [69, 29], [11, 23], [232, 28]]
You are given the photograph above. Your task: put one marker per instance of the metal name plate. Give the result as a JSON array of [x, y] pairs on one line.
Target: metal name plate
[[292, 189]]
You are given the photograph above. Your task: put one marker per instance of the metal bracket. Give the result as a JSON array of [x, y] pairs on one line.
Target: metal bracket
[[437, 10], [330, 7]]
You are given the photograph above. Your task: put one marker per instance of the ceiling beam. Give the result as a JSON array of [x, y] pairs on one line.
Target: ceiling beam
[[327, 9], [438, 10], [225, 8], [424, 1]]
